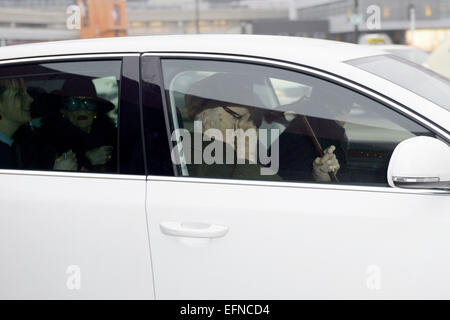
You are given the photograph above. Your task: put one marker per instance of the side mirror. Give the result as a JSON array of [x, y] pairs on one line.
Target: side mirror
[[420, 162]]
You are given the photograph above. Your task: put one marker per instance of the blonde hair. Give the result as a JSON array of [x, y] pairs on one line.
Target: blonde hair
[[7, 83]]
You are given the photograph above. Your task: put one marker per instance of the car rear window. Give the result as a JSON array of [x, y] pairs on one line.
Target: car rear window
[[408, 75]]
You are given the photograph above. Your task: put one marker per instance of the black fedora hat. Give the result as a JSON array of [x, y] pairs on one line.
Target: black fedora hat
[[83, 89]]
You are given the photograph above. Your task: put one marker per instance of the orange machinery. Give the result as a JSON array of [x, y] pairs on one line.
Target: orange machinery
[[103, 18]]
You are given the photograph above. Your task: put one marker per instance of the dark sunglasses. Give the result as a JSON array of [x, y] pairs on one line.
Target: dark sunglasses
[[233, 113], [78, 103], [255, 115]]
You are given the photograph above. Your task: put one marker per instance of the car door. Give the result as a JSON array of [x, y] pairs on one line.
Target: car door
[[76, 233], [228, 234]]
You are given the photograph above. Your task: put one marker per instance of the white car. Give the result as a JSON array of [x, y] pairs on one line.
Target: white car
[[102, 198]]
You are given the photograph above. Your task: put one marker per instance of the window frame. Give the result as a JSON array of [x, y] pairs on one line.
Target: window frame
[[153, 106], [79, 58], [348, 84]]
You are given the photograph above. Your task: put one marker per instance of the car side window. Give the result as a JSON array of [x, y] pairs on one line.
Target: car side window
[[60, 116], [246, 121]]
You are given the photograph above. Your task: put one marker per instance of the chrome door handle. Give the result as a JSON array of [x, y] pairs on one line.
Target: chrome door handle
[[193, 229]]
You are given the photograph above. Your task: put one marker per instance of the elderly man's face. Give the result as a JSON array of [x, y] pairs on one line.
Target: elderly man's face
[[233, 118], [227, 117]]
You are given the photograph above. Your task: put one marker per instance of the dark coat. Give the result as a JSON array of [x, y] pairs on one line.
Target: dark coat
[[7, 158], [32, 150], [247, 171], [40, 147], [297, 150], [67, 137]]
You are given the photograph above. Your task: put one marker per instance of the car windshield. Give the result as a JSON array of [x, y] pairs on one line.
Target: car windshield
[[419, 79]]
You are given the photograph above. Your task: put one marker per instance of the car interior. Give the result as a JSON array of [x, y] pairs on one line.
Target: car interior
[[49, 96], [371, 130]]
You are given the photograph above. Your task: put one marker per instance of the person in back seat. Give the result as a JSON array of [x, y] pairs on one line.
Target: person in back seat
[[82, 126], [14, 112], [19, 146]]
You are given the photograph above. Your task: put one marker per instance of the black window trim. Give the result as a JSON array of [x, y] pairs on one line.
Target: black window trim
[[77, 58], [151, 75], [131, 67]]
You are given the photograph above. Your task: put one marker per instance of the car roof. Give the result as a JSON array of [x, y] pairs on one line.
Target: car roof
[[295, 49]]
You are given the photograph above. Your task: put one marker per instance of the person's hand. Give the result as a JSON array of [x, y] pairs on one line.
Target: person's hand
[[66, 162], [99, 156], [322, 166]]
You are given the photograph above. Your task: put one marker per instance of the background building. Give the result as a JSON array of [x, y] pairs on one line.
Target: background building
[[431, 23], [44, 20]]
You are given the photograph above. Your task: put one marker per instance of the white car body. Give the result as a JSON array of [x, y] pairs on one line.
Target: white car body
[[275, 240]]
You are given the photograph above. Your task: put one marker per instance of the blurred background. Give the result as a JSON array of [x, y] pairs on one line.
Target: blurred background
[[410, 28]]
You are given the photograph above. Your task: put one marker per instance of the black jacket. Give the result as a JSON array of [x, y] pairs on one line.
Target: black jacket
[[297, 151], [69, 137], [40, 147], [7, 158]]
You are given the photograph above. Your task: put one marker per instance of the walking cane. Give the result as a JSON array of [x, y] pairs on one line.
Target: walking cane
[[317, 145]]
